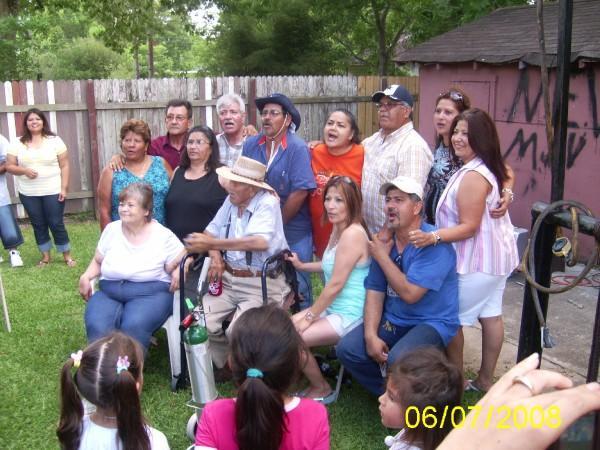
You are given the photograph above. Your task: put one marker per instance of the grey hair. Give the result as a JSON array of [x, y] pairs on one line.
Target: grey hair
[[227, 99], [414, 198]]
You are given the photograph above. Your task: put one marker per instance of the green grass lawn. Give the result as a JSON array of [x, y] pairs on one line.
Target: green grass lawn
[[46, 312]]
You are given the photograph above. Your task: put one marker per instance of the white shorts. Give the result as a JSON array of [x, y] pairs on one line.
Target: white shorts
[[337, 323], [479, 296]]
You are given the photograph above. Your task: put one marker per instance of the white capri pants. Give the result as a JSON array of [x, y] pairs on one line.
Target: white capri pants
[[479, 296]]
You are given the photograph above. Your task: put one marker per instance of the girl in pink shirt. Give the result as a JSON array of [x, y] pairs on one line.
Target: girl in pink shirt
[[266, 357]]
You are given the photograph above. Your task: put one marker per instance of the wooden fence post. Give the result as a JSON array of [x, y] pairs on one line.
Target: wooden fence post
[[90, 100], [251, 99]]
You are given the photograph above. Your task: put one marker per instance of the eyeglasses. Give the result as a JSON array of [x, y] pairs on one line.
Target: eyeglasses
[[271, 112], [171, 118], [197, 142], [388, 106]]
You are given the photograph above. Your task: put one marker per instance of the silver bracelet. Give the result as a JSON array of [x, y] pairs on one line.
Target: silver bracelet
[[510, 192]]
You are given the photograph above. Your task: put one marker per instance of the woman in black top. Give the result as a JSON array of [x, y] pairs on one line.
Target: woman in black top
[[195, 194]]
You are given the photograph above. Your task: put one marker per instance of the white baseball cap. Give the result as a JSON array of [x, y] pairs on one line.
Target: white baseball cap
[[407, 185]]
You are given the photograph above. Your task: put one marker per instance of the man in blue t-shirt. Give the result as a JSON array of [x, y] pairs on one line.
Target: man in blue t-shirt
[[289, 173], [412, 293]]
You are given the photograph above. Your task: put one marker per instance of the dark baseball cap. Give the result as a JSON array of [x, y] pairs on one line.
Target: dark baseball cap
[[395, 92]]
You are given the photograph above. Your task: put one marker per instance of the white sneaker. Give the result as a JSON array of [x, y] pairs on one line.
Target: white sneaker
[[15, 259]]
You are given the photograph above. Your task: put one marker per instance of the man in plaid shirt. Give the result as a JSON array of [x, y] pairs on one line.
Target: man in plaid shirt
[[396, 149]]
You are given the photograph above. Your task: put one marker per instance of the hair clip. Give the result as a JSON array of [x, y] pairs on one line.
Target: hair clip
[[254, 373], [122, 363], [76, 357]]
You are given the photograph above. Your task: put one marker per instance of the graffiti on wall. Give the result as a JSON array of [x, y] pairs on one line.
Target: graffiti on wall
[[527, 144]]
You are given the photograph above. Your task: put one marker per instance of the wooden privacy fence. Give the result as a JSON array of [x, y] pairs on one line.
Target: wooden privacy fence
[[88, 115]]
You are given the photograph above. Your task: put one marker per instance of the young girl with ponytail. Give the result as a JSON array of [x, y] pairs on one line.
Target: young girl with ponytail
[[266, 357], [108, 374]]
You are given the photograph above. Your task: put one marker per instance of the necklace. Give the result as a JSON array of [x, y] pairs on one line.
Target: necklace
[[333, 239], [139, 169]]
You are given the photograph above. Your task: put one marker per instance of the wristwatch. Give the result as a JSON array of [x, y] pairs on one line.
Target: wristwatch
[[437, 237]]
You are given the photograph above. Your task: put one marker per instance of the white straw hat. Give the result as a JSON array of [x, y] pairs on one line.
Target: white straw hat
[[246, 170]]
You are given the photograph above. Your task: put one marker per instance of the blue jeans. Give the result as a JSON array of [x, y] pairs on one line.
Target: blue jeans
[[352, 350], [304, 249], [138, 309], [46, 214], [10, 233]]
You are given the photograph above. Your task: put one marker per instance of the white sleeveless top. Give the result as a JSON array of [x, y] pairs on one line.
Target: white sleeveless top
[[492, 249]]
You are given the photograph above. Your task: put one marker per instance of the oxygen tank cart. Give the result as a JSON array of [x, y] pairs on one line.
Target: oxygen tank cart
[[199, 362]]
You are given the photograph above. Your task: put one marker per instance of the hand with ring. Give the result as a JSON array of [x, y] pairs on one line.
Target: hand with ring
[[420, 238], [523, 388]]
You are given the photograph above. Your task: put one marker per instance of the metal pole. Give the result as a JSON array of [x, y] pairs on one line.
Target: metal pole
[[529, 337], [4, 307]]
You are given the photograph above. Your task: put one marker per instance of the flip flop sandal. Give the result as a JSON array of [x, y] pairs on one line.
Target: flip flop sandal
[[43, 263], [472, 387], [328, 399], [70, 262], [302, 393]]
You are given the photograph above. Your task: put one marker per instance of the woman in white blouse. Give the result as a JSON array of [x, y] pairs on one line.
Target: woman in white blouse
[[137, 260], [40, 163]]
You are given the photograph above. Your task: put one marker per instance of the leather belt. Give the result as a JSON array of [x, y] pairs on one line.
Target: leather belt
[[242, 273], [247, 273]]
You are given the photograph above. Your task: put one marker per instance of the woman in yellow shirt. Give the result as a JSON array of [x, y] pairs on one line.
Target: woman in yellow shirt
[[40, 163]]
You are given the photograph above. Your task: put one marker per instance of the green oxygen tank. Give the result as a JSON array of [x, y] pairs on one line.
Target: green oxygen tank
[[197, 351], [196, 333]]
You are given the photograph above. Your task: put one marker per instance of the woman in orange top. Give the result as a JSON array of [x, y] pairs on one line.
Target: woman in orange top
[[340, 154]]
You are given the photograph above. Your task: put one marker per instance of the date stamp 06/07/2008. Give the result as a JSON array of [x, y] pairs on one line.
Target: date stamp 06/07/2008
[[501, 417]]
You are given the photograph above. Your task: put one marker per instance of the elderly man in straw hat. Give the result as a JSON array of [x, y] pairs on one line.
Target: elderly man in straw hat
[[247, 229]]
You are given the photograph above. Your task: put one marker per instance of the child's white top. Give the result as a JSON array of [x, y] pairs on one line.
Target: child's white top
[[95, 437], [397, 443]]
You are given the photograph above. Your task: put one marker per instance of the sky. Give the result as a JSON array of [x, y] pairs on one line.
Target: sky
[[205, 18]]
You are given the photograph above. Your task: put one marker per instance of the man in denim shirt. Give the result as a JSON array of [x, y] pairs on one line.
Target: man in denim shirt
[[289, 173]]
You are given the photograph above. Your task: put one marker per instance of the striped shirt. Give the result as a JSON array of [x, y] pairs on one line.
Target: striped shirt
[[492, 249], [403, 152]]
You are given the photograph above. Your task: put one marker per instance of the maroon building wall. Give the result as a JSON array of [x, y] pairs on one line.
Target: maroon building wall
[[513, 99]]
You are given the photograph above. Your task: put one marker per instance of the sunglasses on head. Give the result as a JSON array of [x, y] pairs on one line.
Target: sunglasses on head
[[343, 178], [454, 95]]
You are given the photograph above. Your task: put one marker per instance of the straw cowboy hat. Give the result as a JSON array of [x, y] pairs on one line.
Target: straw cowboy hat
[[246, 170]]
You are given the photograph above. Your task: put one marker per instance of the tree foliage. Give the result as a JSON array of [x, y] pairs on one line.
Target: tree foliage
[[124, 26], [271, 37], [41, 39], [85, 58], [328, 36]]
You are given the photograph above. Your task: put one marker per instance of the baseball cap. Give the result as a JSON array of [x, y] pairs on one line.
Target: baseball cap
[[407, 185], [395, 92]]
